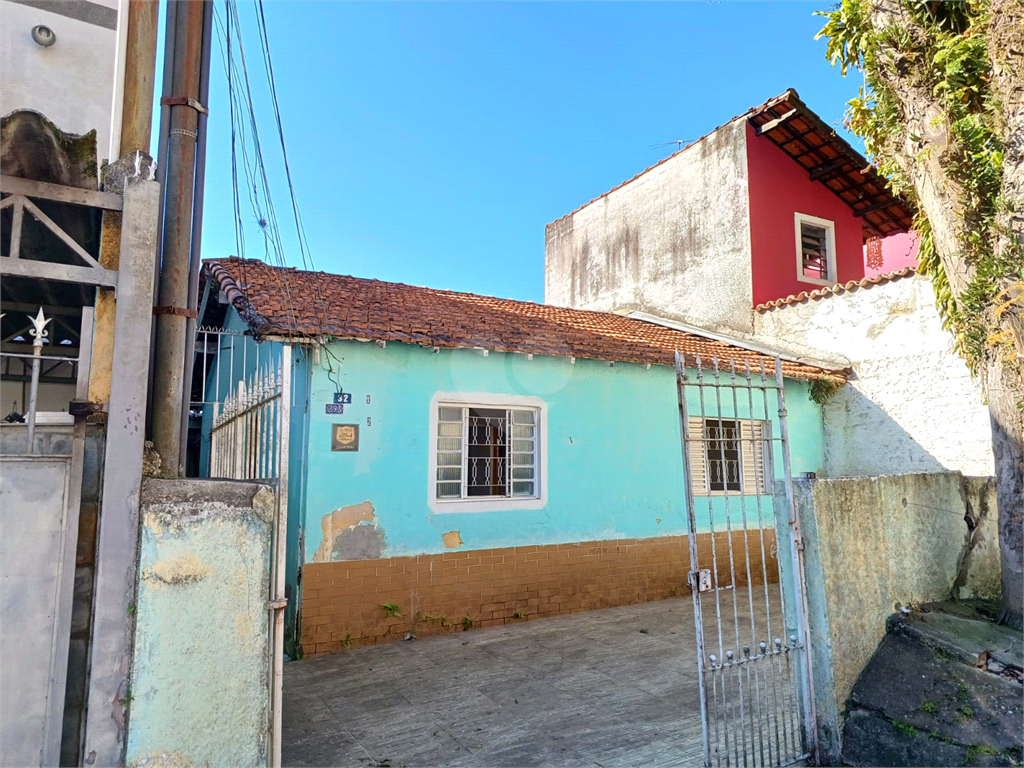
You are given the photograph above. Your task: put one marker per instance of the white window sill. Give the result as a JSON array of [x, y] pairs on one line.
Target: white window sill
[[459, 506], [815, 280]]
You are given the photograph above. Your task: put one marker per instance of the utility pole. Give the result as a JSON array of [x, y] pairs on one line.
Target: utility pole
[[136, 123], [186, 33]]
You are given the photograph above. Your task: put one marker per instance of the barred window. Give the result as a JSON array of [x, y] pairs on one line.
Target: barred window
[[486, 452], [730, 455]]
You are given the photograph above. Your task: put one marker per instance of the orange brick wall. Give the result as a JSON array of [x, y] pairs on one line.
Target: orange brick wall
[[342, 602]]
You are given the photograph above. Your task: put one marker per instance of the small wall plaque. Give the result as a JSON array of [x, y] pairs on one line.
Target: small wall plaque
[[344, 437], [343, 398], [334, 408]]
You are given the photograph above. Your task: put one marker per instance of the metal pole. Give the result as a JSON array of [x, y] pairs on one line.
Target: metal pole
[[281, 549], [197, 236], [168, 379], [39, 334]]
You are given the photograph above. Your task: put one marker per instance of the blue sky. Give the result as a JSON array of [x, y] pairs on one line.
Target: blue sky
[[431, 143]]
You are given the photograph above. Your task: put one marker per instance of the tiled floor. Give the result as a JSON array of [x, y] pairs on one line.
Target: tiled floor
[[604, 688]]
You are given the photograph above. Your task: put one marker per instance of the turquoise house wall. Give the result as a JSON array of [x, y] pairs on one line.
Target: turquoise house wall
[[613, 447]]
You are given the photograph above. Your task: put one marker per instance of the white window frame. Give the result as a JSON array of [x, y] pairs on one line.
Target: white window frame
[[488, 504], [830, 248]]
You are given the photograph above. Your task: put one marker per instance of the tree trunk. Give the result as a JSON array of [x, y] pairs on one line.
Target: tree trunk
[[920, 155], [1003, 387]]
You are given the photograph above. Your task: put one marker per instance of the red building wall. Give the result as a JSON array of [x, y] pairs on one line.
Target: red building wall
[[778, 188]]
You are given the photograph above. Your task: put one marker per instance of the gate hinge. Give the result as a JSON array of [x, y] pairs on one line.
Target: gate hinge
[[274, 605]]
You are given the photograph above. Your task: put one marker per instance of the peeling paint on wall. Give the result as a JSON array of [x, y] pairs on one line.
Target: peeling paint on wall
[[452, 539], [360, 542], [337, 523], [351, 533]]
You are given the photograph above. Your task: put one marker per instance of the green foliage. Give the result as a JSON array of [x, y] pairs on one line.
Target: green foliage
[[822, 389], [929, 707], [391, 609], [467, 623], [518, 615], [905, 728], [945, 54]]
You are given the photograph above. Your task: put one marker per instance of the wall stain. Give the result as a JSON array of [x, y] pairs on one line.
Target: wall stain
[[452, 539], [185, 569]]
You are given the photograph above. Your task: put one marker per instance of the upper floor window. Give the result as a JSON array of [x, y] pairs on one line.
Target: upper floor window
[[486, 454], [815, 249]]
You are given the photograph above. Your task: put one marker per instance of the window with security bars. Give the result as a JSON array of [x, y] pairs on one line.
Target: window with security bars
[[730, 456], [486, 452]]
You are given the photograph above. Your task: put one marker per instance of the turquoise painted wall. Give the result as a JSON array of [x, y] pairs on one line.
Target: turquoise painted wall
[[614, 458]]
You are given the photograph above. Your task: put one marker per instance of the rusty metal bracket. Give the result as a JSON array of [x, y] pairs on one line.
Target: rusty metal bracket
[[276, 605], [183, 101], [179, 311], [85, 408]]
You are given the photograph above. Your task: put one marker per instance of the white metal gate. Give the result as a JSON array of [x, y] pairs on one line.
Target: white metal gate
[[249, 440], [746, 569]]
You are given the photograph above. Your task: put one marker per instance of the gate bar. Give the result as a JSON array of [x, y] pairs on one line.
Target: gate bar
[[797, 554], [691, 517]]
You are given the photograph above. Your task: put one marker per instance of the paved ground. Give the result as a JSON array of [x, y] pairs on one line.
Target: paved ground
[[603, 688]]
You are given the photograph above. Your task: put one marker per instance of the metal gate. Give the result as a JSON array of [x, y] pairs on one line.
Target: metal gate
[[746, 569], [247, 412]]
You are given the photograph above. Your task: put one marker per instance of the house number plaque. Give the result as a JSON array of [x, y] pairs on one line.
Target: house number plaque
[[344, 437]]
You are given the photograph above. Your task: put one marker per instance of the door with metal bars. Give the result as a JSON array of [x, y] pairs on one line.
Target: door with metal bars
[[746, 571]]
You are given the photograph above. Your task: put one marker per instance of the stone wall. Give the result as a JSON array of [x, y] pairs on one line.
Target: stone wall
[[911, 405], [343, 602], [873, 542], [199, 692]]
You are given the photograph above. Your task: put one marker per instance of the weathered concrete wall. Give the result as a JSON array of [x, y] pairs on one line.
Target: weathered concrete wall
[[72, 81], [674, 241], [911, 405], [873, 542], [199, 693]]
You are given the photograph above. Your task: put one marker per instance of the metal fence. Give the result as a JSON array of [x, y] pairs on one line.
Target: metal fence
[[746, 576], [45, 364], [242, 405]]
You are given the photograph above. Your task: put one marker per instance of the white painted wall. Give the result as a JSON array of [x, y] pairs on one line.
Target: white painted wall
[[911, 405], [71, 82], [674, 242]]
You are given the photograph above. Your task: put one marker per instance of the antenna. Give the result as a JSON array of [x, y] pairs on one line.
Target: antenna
[[680, 143]]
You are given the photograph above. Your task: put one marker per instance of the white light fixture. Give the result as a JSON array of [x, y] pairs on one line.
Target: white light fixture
[[43, 35]]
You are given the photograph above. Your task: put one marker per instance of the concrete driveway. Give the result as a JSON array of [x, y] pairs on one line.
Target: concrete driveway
[[604, 688]]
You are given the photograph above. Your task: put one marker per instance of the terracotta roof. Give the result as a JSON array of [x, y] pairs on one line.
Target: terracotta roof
[[832, 290], [827, 157], [294, 303]]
